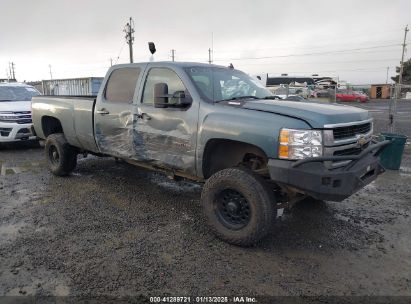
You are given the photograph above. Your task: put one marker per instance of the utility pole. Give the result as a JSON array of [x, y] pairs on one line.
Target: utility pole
[[209, 56], [386, 80], [393, 103], [12, 68], [173, 52], [51, 75], [129, 30], [212, 46]]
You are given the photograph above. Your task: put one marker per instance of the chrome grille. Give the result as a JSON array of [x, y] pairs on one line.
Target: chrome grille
[[351, 131], [350, 151], [346, 139], [21, 117]]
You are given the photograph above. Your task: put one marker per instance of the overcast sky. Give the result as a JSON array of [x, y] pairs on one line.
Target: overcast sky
[[355, 40]]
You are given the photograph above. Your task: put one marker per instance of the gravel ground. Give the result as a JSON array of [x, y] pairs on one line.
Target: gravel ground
[[113, 229]]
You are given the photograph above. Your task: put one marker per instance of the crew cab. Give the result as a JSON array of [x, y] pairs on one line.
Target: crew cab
[[15, 112], [217, 126]]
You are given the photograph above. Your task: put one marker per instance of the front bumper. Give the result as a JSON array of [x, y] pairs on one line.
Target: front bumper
[[10, 132], [311, 177]]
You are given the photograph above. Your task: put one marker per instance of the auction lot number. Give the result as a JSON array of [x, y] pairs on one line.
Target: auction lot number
[[189, 299]]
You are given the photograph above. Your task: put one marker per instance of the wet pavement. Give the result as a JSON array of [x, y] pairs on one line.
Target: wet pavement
[[113, 229]]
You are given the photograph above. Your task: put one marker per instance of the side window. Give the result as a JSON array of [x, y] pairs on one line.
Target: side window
[[161, 75], [121, 85]]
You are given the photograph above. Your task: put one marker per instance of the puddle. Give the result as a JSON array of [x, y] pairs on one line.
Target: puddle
[[61, 291], [9, 231], [371, 186], [9, 169]]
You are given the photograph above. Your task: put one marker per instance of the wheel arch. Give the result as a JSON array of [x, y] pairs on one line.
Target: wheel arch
[[51, 125], [220, 154]]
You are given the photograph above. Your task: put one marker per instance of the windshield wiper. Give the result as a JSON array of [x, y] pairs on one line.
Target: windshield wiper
[[238, 98], [6, 100]]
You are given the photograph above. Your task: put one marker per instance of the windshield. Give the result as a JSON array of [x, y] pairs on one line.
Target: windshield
[[218, 84], [14, 93]]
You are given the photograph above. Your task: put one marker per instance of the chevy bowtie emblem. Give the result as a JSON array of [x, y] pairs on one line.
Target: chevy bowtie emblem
[[361, 141]]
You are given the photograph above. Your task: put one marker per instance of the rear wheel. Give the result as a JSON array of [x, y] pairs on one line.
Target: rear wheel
[[61, 156], [238, 206]]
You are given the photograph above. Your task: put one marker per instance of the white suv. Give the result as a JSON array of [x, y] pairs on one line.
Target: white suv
[[15, 112]]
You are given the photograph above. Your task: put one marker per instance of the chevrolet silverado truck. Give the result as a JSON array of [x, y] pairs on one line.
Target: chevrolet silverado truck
[[219, 126]]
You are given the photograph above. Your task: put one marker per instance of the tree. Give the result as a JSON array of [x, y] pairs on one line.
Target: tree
[[406, 73]]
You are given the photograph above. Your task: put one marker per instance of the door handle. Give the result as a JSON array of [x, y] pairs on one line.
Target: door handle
[[102, 112]]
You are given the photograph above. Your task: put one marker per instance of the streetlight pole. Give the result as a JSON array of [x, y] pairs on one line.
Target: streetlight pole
[[397, 93], [386, 80]]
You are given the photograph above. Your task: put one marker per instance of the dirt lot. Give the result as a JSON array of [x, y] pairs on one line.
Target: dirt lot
[[112, 229]]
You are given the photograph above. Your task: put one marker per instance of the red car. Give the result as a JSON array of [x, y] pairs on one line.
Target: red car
[[351, 96]]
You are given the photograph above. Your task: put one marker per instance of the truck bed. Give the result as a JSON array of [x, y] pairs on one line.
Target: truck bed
[[75, 114]]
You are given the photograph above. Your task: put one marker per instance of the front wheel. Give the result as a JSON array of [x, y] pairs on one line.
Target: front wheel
[[61, 157], [238, 206]]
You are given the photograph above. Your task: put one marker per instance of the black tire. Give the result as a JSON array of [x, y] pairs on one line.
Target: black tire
[[251, 226], [61, 157]]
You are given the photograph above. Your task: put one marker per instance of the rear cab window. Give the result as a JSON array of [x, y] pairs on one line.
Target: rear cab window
[[121, 85]]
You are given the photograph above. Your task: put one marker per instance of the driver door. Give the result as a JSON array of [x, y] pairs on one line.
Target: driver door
[[166, 136]]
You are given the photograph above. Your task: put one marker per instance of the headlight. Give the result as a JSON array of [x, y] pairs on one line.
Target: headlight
[[299, 144]]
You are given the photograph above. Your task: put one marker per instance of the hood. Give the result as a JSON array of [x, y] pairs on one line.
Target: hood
[[15, 106], [315, 114]]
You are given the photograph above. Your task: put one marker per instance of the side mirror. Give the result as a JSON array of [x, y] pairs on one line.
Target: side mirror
[[160, 95], [182, 99]]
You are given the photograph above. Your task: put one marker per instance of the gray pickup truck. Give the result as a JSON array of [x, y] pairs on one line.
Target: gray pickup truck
[[216, 125]]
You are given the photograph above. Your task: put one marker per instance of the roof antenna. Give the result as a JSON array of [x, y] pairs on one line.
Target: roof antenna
[[231, 66]]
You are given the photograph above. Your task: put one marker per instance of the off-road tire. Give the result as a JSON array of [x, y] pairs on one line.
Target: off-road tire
[[66, 158], [260, 199]]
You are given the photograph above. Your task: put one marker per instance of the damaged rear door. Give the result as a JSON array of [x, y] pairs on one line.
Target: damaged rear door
[[113, 114], [166, 135]]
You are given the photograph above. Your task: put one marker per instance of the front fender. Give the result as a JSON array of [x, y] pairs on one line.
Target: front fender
[[257, 128]]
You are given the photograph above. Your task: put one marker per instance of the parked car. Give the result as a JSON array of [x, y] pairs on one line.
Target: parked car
[[215, 125], [351, 96], [361, 96], [15, 112]]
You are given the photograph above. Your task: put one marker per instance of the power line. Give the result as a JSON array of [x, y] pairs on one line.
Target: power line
[[121, 50], [310, 54], [315, 46], [322, 62], [337, 71]]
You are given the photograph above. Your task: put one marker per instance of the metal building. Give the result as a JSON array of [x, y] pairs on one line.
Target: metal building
[[74, 86]]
